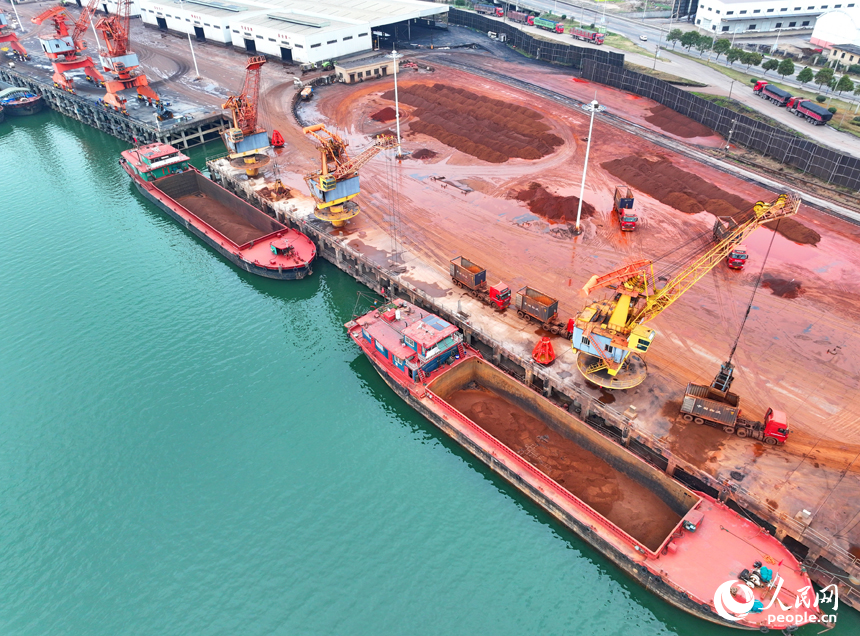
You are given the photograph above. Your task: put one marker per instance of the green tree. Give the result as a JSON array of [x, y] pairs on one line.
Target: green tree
[[733, 55], [823, 77], [786, 67], [854, 69], [722, 46], [674, 36], [704, 44], [805, 76], [751, 59], [690, 38], [770, 64], [844, 84], [820, 99]]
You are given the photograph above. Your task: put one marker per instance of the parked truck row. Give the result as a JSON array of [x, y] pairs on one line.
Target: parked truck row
[[528, 19], [812, 112], [531, 304]]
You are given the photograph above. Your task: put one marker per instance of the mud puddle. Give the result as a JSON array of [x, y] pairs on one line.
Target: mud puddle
[[781, 287]]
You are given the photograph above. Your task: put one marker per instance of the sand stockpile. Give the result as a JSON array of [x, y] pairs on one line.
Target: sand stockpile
[[677, 124], [552, 207], [424, 153], [669, 184], [386, 114], [485, 128]]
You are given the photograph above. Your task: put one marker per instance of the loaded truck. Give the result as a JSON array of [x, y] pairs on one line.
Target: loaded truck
[[723, 227], [706, 405], [490, 9], [814, 113], [771, 93], [522, 18], [585, 34], [534, 305], [549, 25], [623, 207], [473, 277]]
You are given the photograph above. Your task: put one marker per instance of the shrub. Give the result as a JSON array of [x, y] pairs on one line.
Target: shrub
[[856, 120], [854, 69], [832, 109], [820, 99], [753, 80]]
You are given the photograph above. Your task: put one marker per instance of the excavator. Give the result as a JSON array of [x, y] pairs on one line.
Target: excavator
[[8, 36], [247, 142], [65, 49], [336, 183], [611, 335], [119, 61]]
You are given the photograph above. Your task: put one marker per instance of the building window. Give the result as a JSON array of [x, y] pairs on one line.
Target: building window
[[299, 46], [784, 9], [259, 37], [842, 56], [188, 19], [757, 11], [698, 21], [235, 31], [725, 28], [791, 24], [851, 5], [348, 37], [714, 28], [770, 10], [207, 24], [751, 27], [360, 74], [730, 12], [376, 71], [362, 35], [718, 10], [779, 25], [609, 348], [332, 42], [744, 11], [271, 39], [804, 23], [710, 9], [585, 340], [797, 8], [810, 8], [313, 46], [851, 59]]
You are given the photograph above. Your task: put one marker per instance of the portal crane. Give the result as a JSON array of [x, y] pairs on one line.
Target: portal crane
[[118, 60], [336, 183], [609, 335], [8, 36], [247, 142], [65, 49]]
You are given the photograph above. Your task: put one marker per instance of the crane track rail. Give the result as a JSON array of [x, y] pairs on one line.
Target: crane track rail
[[846, 214]]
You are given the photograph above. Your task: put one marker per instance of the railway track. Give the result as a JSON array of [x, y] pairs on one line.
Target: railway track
[[845, 213]]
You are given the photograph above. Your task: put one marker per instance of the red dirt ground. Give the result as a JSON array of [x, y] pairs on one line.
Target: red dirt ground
[[485, 128], [669, 184], [553, 207], [384, 115], [667, 119], [423, 153]]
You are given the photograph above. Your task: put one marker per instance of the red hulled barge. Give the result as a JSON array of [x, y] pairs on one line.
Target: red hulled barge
[[688, 548], [241, 233]]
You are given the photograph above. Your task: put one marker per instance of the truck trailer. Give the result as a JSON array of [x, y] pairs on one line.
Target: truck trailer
[[521, 17], [814, 113], [585, 34], [534, 305], [705, 405], [549, 25], [490, 9], [473, 277], [771, 93]]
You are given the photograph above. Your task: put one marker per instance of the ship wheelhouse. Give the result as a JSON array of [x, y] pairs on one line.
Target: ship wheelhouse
[[156, 161]]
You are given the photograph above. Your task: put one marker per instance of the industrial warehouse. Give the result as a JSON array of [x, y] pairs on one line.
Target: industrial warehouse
[[618, 311]]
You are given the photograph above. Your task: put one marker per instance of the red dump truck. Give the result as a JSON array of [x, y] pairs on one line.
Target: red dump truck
[[534, 305], [473, 277], [490, 9], [623, 207], [705, 405], [814, 113], [771, 93], [522, 18], [585, 34], [723, 227]]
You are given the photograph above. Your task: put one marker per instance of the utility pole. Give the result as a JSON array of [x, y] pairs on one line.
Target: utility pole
[[191, 46], [644, 11], [773, 48], [17, 17]]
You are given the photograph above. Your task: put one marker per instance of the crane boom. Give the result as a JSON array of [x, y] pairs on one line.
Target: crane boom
[[244, 105]]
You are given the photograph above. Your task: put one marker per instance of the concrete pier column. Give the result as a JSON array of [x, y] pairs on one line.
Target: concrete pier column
[[530, 375], [497, 356], [671, 465]]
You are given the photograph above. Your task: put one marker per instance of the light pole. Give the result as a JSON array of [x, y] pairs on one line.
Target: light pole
[[191, 46], [394, 56], [17, 17], [730, 88], [593, 107], [657, 50], [644, 11], [773, 48]]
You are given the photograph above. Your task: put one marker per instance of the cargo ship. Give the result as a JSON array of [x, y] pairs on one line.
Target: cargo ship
[[247, 237], [18, 102], [685, 546]]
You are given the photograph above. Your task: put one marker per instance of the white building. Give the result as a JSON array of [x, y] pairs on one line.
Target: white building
[[745, 16], [838, 26], [293, 30]]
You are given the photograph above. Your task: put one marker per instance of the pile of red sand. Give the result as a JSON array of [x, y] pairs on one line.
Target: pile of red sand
[[687, 192], [485, 128], [424, 153], [386, 114], [552, 207], [677, 124]]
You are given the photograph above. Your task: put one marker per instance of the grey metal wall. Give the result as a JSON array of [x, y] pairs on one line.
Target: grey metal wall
[[834, 167], [555, 52]]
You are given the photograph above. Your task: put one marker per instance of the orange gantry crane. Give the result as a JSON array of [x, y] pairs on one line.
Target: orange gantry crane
[[119, 61], [65, 49], [246, 141], [336, 183], [8, 36]]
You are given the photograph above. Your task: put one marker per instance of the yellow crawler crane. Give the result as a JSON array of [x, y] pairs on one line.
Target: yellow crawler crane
[[336, 183], [610, 335]]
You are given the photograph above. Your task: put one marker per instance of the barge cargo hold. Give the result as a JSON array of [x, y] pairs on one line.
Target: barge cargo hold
[[684, 546], [238, 231]]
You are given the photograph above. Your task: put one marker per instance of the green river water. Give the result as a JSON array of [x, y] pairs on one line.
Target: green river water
[[188, 450]]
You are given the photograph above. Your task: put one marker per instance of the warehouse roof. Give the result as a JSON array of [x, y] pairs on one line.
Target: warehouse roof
[[373, 12], [293, 23], [212, 8]]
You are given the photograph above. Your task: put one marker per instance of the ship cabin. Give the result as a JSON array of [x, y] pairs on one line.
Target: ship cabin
[[156, 161], [411, 339]]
